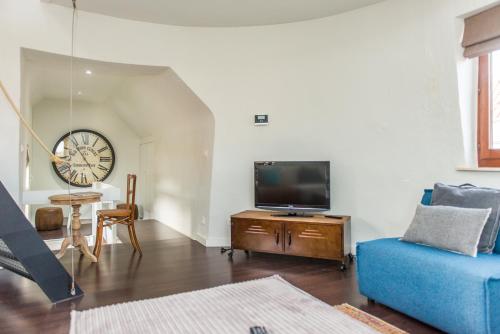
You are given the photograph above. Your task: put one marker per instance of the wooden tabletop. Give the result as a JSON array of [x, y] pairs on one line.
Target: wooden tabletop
[[76, 198], [268, 215]]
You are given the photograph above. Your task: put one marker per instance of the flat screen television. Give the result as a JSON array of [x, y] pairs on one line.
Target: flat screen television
[[293, 186]]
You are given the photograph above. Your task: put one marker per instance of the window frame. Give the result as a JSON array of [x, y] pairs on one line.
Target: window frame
[[487, 157]]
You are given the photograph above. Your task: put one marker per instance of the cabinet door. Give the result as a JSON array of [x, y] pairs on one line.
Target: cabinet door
[[257, 235], [314, 240]]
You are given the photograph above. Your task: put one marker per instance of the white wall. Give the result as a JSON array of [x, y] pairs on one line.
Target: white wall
[[374, 90], [50, 122], [180, 128]]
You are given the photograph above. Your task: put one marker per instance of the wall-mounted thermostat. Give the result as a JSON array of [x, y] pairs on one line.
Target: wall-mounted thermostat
[[261, 120]]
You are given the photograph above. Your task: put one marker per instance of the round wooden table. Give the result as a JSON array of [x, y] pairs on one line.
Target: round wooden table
[[77, 239]]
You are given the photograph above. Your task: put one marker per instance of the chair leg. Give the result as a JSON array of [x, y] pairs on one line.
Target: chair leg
[[133, 237], [136, 240], [98, 238], [98, 241]]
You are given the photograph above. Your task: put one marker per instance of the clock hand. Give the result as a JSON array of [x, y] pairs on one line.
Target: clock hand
[[76, 146], [83, 156]]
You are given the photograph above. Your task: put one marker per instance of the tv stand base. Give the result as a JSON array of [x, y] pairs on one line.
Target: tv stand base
[[291, 214], [298, 235]]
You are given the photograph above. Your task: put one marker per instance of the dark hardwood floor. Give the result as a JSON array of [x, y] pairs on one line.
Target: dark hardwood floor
[[171, 264], [148, 232], [86, 229]]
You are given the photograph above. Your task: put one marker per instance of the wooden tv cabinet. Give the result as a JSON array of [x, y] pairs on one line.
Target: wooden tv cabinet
[[314, 236]]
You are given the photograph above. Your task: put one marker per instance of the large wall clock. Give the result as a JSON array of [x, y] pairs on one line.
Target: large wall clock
[[90, 154]]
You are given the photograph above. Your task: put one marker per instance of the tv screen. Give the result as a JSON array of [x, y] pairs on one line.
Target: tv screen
[[292, 185]]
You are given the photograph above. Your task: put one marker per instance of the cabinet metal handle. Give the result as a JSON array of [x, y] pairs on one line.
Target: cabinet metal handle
[[277, 237], [289, 238]]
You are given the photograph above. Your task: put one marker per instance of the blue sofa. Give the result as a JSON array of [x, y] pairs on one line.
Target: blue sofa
[[452, 292]]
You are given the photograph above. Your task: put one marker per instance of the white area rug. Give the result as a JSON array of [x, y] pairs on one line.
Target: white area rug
[[230, 309]]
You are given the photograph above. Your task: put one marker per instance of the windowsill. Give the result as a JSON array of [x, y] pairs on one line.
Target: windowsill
[[478, 169]]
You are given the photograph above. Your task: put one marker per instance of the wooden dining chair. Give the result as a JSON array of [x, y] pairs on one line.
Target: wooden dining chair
[[107, 218]]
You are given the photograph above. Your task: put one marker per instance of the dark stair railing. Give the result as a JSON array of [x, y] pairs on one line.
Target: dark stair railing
[[23, 252]]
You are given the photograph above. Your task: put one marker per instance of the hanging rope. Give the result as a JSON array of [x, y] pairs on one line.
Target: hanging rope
[[53, 157], [70, 216]]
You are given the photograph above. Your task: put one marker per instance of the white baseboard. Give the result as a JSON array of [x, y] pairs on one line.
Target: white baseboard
[[201, 239], [204, 240], [214, 242]]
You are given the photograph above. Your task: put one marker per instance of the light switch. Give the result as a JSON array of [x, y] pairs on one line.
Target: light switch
[[261, 120]]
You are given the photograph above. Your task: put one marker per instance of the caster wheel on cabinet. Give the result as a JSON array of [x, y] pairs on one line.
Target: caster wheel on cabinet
[[351, 257]]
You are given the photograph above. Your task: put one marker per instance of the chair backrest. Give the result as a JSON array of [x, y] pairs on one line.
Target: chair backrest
[[131, 181]]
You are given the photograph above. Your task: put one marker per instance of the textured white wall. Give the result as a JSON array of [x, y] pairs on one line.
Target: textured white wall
[[181, 129], [374, 90]]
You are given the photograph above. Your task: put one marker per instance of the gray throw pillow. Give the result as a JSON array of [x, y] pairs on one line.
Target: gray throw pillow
[[468, 196], [447, 227]]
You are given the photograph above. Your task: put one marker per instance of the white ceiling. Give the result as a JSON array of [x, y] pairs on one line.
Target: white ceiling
[[217, 13], [142, 96], [48, 76]]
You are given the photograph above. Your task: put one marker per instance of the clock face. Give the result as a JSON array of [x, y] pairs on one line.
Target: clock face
[[90, 155]]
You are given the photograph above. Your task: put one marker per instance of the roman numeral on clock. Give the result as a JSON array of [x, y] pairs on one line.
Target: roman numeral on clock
[[101, 167], [83, 178], [63, 169], [73, 175], [103, 149], [104, 159], [73, 139], [85, 138]]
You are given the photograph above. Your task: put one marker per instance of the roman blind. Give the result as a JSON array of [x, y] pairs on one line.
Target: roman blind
[[482, 33]]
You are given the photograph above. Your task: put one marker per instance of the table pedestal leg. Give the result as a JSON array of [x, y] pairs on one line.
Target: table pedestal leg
[[77, 239]]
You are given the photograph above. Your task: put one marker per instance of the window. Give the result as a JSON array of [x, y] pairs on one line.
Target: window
[[488, 135]]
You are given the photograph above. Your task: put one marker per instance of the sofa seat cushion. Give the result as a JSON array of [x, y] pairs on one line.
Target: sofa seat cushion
[[453, 292]]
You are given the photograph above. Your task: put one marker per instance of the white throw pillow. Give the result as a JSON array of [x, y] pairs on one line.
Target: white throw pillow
[[448, 227]]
